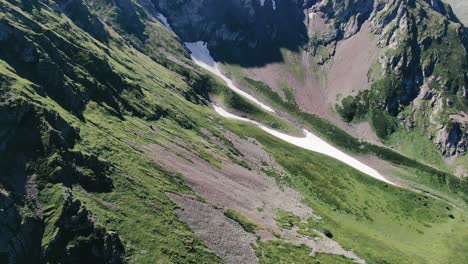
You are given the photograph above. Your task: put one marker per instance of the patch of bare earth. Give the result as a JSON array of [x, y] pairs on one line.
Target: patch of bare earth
[[461, 171], [321, 87], [348, 69], [225, 237], [347, 74], [244, 189]]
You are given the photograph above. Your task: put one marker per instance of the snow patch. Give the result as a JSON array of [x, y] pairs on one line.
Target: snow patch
[[164, 20], [313, 143], [262, 3], [201, 55]]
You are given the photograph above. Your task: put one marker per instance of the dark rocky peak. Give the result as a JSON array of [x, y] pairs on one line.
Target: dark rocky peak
[[239, 31], [346, 17], [342, 11]]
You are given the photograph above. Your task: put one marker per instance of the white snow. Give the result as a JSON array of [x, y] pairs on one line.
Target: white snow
[[226, 114], [313, 143], [164, 21], [201, 55], [262, 3], [311, 15]]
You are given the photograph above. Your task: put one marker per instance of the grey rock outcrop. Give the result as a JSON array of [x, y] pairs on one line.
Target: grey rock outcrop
[[20, 236], [452, 139]]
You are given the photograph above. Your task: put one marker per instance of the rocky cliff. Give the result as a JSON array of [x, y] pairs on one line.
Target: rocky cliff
[[248, 32]]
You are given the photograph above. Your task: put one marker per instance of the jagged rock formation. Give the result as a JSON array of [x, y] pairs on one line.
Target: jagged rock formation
[[58, 59], [20, 236], [452, 139], [34, 151], [418, 42]]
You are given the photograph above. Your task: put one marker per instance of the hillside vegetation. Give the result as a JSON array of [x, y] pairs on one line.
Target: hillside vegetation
[[96, 95]]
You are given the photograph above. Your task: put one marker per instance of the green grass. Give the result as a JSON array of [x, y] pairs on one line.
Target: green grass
[[417, 146], [247, 224], [380, 222], [294, 65], [286, 220], [116, 128], [288, 93], [138, 208], [52, 199], [308, 227], [281, 252], [238, 103], [157, 101], [445, 184]]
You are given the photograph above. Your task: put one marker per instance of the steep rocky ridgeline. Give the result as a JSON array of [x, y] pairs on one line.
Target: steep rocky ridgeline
[[421, 79]]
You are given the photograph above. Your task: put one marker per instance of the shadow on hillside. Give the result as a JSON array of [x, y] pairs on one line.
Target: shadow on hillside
[[238, 34]]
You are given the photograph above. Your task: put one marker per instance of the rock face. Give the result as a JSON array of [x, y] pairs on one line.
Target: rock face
[[20, 237], [239, 31], [76, 238], [346, 17], [417, 42], [79, 240], [35, 148], [452, 139]]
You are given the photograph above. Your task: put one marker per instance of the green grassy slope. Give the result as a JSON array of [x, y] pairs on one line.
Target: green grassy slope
[[133, 94], [81, 95], [383, 224], [428, 177]]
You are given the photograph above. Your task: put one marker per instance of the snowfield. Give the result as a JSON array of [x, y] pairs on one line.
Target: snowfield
[[164, 21], [202, 57]]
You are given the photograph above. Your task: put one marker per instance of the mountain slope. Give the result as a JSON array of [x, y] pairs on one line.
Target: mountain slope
[[111, 153], [408, 70]]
